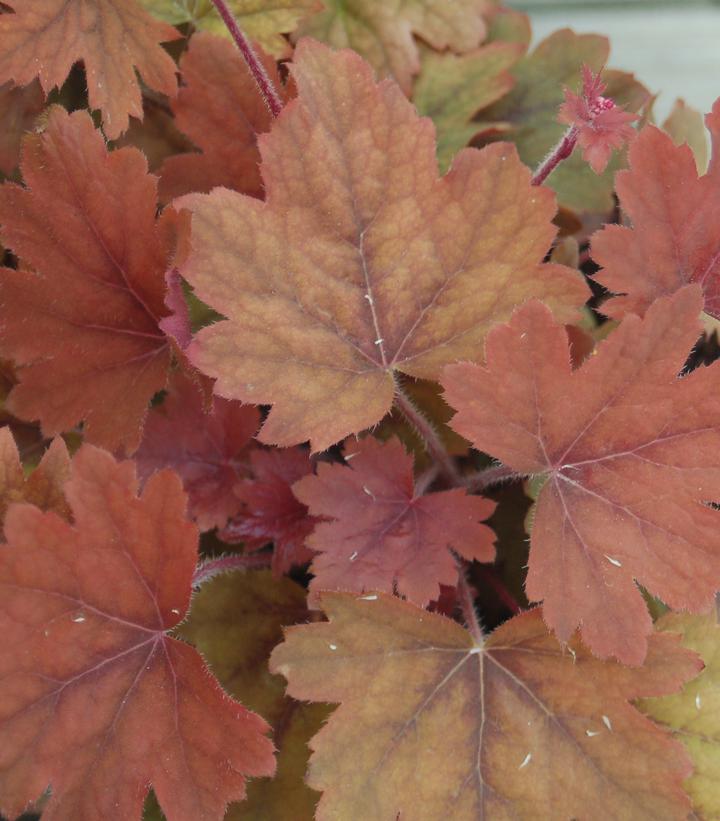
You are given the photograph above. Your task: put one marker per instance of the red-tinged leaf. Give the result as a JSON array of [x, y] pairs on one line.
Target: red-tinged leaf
[[221, 109], [602, 127], [630, 454], [272, 512], [362, 261], [208, 448], [382, 535], [83, 325], [439, 727], [675, 238], [19, 107], [43, 487], [382, 31], [97, 700], [112, 37]]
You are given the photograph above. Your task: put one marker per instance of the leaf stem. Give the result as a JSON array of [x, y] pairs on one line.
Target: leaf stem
[[489, 574], [564, 148], [428, 434], [494, 475], [257, 69], [467, 605], [232, 561]]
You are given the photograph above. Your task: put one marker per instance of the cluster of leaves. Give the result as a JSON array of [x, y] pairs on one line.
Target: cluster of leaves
[[479, 347]]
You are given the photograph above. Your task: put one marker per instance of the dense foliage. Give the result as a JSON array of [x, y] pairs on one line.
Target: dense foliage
[[347, 471]]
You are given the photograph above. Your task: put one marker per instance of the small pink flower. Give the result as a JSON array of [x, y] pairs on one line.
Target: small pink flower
[[601, 125]]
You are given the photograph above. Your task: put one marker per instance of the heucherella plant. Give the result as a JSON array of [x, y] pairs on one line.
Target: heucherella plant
[[360, 445]]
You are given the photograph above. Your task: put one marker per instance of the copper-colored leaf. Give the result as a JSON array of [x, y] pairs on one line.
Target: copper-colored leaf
[[271, 512], [431, 725], [382, 30], [362, 261], [675, 238], [112, 37], [97, 700], [382, 535], [83, 326], [43, 487], [19, 107], [630, 454], [220, 108], [207, 447]]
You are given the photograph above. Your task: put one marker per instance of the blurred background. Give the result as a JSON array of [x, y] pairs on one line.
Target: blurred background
[[673, 46]]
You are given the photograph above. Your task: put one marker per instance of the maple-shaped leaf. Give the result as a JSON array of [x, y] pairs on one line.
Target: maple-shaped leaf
[[82, 325], [235, 622], [629, 453], [264, 21], [694, 714], [675, 234], [382, 535], [602, 126], [98, 701], [111, 37], [43, 487], [382, 30], [531, 111], [361, 261], [272, 512], [207, 447], [221, 109], [518, 727], [451, 89], [19, 107]]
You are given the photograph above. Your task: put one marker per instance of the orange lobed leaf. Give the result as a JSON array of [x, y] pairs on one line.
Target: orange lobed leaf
[[221, 109], [208, 448], [432, 725], [271, 512], [675, 238], [82, 327], [19, 107], [97, 700], [113, 38], [384, 535], [361, 261], [630, 454], [43, 487]]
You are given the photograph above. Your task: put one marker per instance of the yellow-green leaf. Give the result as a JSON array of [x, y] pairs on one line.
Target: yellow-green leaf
[[382, 31], [262, 20], [452, 88], [235, 622], [694, 714]]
